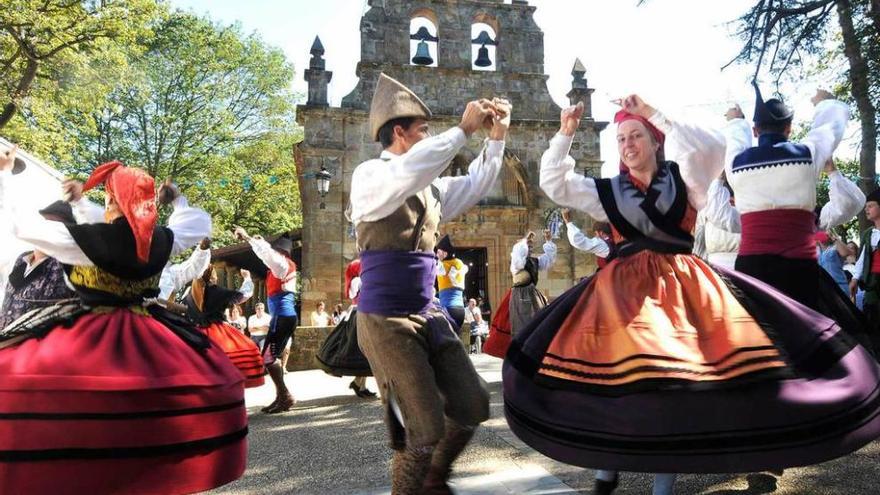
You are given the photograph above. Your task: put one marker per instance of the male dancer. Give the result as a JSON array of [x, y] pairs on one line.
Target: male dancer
[[280, 290], [775, 188], [433, 396], [599, 245]]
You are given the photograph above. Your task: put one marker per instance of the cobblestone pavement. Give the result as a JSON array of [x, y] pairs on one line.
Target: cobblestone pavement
[[334, 443]]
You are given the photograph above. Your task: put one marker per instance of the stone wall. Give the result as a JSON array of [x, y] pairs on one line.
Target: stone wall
[[337, 138], [306, 342]]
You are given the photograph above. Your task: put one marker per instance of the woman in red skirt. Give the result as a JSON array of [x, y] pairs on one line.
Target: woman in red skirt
[[206, 303], [105, 395]]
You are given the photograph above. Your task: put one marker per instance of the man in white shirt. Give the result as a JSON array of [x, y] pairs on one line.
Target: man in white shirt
[[258, 324], [594, 245], [433, 396]]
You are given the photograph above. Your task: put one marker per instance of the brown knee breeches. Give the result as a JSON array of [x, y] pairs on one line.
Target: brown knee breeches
[[426, 383]]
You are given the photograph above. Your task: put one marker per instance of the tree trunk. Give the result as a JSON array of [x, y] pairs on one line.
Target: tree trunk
[[858, 76], [24, 85]]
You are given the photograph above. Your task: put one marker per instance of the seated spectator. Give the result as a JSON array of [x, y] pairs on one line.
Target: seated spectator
[[236, 318], [473, 318], [320, 317], [258, 324]]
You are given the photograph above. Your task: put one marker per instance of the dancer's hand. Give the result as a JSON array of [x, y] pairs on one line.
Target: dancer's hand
[[245, 274], [829, 167], [635, 105], [566, 215], [475, 115], [241, 234], [168, 192], [734, 112], [7, 159], [547, 235], [205, 244], [821, 95], [570, 119], [71, 190], [501, 123]]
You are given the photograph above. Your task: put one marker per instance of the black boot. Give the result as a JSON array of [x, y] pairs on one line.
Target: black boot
[[603, 487]]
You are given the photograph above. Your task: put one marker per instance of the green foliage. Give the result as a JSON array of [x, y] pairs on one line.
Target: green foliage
[[171, 92], [59, 60]]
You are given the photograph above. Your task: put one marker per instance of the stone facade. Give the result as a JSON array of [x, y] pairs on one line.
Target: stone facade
[[337, 138]]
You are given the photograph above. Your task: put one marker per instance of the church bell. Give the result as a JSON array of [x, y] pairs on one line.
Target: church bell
[[423, 54], [483, 57]]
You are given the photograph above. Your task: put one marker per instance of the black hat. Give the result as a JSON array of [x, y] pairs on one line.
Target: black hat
[[874, 196], [60, 210], [18, 166], [445, 244], [283, 244], [772, 111]]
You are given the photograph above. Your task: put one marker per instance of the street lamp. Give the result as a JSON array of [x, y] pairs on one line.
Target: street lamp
[[322, 178]]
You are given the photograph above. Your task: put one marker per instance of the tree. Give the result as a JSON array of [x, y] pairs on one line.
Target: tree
[[43, 43], [198, 91], [779, 34], [255, 187]]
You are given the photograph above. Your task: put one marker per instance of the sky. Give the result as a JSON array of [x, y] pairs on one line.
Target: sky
[[668, 51]]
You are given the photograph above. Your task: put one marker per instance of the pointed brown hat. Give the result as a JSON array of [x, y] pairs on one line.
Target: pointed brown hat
[[392, 100]]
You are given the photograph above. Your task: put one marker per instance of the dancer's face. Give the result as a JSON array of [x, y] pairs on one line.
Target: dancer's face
[[636, 146], [872, 210], [408, 137], [442, 254]]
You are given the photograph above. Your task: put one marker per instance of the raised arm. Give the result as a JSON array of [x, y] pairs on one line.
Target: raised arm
[[546, 260], [458, 194], [579, 241], [829, 123], [175, 277], [52, 238], [718, 211], [845, 200], [189, 224], [379, 187], [518, 255], [700, 158]]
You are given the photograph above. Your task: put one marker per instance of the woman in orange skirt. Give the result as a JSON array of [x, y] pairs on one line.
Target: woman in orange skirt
[[206, 303], [663, 363]]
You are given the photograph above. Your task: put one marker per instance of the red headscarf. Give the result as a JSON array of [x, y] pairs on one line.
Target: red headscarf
[[351, 271], [623, 115], [133, 190]]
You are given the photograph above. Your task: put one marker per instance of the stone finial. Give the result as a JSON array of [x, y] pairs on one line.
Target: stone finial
[[316, 76], [520, 2], [317, 51], [578, 72], [580, 92]]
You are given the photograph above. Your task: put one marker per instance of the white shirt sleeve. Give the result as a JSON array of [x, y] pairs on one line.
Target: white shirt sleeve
[[845, 200], [354, 288], [458, 194], [860, 265], [829, 123], [84, 211], [189, 224], [563, 185], [718, 211], [174, 277], [274, 261], [246, 290], [52, 238], [379, 187], [518, 256], [580, 241], [701, 157], [738, 138], [546, 260]]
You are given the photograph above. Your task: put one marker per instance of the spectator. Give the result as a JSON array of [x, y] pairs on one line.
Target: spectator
[[473, 319], [832, 255], [320, 317], [338, 314], [236, 318], [258, 324]]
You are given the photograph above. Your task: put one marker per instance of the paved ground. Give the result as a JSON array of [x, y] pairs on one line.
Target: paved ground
[[334, 443]]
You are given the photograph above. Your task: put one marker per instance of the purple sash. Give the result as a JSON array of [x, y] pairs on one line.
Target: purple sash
[[397, 283]]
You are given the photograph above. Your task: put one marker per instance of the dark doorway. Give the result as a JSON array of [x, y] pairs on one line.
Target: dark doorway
[[476, 283]]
